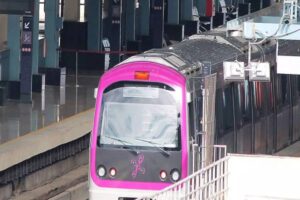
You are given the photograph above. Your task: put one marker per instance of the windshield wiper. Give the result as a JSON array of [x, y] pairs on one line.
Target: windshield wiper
[[124, 142], [155, 145]]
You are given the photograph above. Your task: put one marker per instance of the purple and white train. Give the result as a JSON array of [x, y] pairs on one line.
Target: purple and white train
[[150, 108]]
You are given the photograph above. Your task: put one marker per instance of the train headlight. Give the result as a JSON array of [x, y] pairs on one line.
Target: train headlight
[[175, 175], [112, 172], [163, 175], [101, 171]]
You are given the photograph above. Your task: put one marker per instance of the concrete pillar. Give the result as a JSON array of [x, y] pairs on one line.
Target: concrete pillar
[[187, 10], [35, 38], [130, 19], [173, 11], [157, 23], [3, 30], [71, 10], [94, 18], [51, 33], [13, 43], [144, 17]]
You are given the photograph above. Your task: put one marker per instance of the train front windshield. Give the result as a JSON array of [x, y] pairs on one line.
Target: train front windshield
[[140, 115]]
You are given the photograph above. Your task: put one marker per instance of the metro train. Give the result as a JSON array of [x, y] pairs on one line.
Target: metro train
[[151, 107]]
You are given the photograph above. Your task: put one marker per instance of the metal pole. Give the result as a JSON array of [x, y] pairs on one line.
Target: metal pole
[[76, 73]]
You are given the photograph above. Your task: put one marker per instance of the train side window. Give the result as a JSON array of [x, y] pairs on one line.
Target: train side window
[[228, 108], [268, 96], [263, 102], [242, 99], [294, 88], [282, 96], [219, 113], [225, 105], [298, 84]]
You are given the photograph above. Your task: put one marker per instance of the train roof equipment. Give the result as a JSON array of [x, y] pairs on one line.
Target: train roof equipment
[[278, 22]]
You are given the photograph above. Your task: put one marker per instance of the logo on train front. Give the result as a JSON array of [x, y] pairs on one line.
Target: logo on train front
[[137, 166]]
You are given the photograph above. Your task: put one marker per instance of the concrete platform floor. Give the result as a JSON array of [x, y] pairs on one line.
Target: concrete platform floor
[[52, 105]]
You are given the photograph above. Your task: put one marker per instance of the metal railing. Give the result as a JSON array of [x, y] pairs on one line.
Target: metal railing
[[209, 183], [107, 52]]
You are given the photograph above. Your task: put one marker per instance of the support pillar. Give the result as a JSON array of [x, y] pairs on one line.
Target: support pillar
[[38, 80], [130, 19], [143, 24], [157, 23], [131, 43], [187, 10], [173, 29], [3, 30], [71, 10], [35, 38], [144, 17], [94, 18], [115, 21], [51, 33], [190, 25], [173, 11], [53, 23], [13, 43]]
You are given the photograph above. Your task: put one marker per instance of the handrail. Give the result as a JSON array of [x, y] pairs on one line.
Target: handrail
[[207, 183], [97, 52]]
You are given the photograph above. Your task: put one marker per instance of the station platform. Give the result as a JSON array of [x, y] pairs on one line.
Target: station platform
[[57, 116], [53, 105]]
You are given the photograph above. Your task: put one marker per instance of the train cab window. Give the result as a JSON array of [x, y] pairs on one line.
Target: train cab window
[[140, 115]]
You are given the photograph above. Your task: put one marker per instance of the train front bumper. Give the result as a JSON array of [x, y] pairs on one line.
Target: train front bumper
[[97, 193]]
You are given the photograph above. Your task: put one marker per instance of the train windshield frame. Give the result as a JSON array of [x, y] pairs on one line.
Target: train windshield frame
[[140, 115]]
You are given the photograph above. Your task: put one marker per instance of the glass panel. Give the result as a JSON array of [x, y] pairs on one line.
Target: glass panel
[[282, 91], [131, 122], [143, 115], [224, 111], [228, 108]]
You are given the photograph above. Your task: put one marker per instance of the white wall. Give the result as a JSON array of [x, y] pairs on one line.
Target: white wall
[[263, 177]]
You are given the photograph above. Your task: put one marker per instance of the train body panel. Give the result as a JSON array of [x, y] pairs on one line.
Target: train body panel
[[97, 193]]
